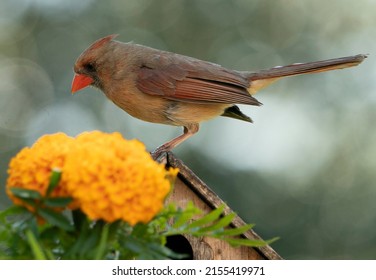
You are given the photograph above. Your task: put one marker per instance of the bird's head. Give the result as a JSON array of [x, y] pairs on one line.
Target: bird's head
[[91, 63]]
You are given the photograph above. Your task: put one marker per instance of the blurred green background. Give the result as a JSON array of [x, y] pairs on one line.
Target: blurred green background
[[304, 171]]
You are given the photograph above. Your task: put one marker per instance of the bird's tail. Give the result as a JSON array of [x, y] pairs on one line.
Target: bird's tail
[[263, 78]]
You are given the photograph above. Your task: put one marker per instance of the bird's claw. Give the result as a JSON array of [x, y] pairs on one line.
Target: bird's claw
[[158, 153]]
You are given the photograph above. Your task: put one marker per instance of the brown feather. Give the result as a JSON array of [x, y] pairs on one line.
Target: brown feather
[[187, 79], [207, 91], [263, 78]]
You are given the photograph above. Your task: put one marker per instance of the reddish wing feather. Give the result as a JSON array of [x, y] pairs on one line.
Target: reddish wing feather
[[192, 89], [186, 79]]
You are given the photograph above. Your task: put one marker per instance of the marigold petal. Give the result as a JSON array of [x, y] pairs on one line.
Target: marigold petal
[[115, 179]]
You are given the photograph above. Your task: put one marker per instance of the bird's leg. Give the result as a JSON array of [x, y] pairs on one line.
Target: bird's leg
[[189, 130]]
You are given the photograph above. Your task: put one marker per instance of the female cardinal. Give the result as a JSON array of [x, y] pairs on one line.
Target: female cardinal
[[168, 88]]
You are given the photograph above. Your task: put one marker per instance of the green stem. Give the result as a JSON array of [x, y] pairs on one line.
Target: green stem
[[35, 246]]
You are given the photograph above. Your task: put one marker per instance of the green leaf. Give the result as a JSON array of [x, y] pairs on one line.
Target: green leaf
[[32, 225], [31, 202], [184, 216], [25, 194], [140, 229], [102, 243], [156, 251], [135, 247], [55, 218], [57, 201], [84, 230], [236, 231], [248, 242], [208, 218], [13, 210], [79, 219], [90, 240], [54, 180], [220, 224]]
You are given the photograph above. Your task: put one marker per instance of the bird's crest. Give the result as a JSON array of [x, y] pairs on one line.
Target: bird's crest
[[100, 42]]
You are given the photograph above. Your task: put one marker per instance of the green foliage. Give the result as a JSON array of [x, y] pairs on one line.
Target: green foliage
[[214, 224], [71, 235]]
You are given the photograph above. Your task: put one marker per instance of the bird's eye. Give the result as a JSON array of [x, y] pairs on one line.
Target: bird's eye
[[89, 67]]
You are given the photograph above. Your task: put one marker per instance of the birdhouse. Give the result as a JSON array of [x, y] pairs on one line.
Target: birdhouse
[[188, 187]]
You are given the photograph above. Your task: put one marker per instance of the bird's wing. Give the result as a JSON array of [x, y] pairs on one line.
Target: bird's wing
[[186, 79]]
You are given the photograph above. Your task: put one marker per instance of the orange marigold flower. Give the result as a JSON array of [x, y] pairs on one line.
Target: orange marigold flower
[[31, 168], [113, 178]]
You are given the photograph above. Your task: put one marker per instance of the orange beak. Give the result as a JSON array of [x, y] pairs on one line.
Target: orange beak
[[80, 81]]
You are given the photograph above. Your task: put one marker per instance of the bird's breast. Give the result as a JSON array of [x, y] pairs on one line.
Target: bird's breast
[[139, 105]]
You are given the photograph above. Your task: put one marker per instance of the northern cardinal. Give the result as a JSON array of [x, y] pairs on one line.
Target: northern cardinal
[[163, 87]]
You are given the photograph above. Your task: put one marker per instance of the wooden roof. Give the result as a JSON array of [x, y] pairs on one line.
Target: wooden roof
[[207, 195]]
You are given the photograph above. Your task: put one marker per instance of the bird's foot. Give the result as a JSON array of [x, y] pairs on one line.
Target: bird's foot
[[159, 153]]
